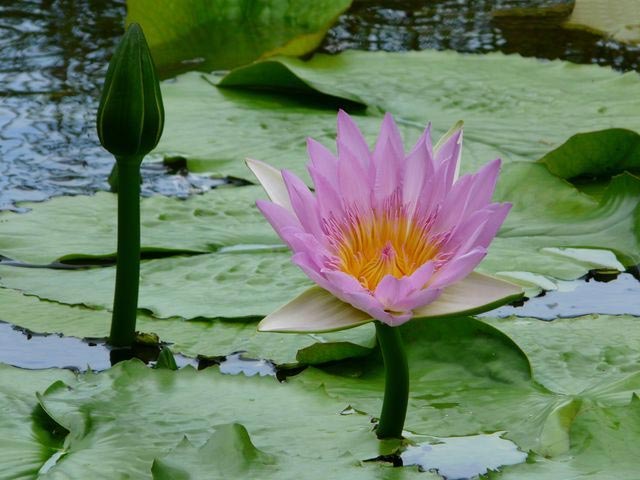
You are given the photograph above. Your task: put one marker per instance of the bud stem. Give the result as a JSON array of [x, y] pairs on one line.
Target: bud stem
[[396, 383], [125, 303]]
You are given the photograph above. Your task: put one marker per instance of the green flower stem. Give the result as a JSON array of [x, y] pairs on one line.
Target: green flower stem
[[396, 383], [125, 302]]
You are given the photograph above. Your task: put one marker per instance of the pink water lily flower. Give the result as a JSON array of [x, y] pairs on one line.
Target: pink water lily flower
[[387, 235]]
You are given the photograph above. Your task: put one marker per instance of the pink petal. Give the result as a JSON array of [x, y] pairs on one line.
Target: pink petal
[[343, 283], [303, 202], [497, 214], [389, 133], [305, 242], [390, 290], [458, 268], [483, 185], [421, 298], [388, 171], [388, 159], [367, 303], [328, 199], [311, 269], [354, 184], [419, 168], [322, 160], [282, 220], [404, 294], [351, 142]]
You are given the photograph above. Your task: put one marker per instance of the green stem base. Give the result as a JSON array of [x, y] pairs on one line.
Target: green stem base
[[396, 383], [125, 302]]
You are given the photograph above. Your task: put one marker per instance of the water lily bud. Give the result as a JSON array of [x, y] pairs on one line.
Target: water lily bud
[[131, 115]]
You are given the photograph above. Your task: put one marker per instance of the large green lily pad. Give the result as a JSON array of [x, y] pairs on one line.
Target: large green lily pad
[[513, 108], [83, 228], [215, 285], [556, 232], [131, 408], [587, 356], [468, 378], [227, 33], [604, 442]]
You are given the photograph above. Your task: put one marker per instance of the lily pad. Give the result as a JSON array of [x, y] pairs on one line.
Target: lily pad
[[191, 338], [134, 408], [604, 442], [581, 356], [504, 117], [595, 154], [467, 378], [26, 441], [84, 228], [225, 34], [563, 231], [216, 285], [619, 20]]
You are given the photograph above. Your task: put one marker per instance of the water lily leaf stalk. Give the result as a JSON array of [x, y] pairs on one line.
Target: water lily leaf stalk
[[396, 382], [130, 123]]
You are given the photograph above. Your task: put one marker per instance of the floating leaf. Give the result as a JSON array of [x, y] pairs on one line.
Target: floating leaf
[[595, 154], [131, 408], [559, 227], [227, 33], [191, 338], [579, 355], [26, 440], [202, 223], [619, 20]]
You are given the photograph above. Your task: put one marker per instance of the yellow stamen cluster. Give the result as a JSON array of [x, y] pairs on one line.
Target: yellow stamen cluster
[[390, 243]]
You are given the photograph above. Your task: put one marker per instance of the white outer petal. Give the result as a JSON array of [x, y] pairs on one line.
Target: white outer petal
[[474, 294], [314, 310], [271, 180]]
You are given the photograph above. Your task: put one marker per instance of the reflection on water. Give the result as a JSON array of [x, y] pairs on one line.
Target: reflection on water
[[52, 59], [474, 27], [617, 297], [53, 56], [464, 458], [236, 363]]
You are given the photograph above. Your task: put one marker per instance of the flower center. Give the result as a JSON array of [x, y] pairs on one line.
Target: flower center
[[383, 244]]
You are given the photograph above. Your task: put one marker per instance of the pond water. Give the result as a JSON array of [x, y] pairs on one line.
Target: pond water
[[53, 57], [463, 458]]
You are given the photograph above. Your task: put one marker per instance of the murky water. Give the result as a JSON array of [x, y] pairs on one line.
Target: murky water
[[476, 26], [53, 56]]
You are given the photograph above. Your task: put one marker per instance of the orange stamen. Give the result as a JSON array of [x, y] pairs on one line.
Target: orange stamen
[[383, 243]]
